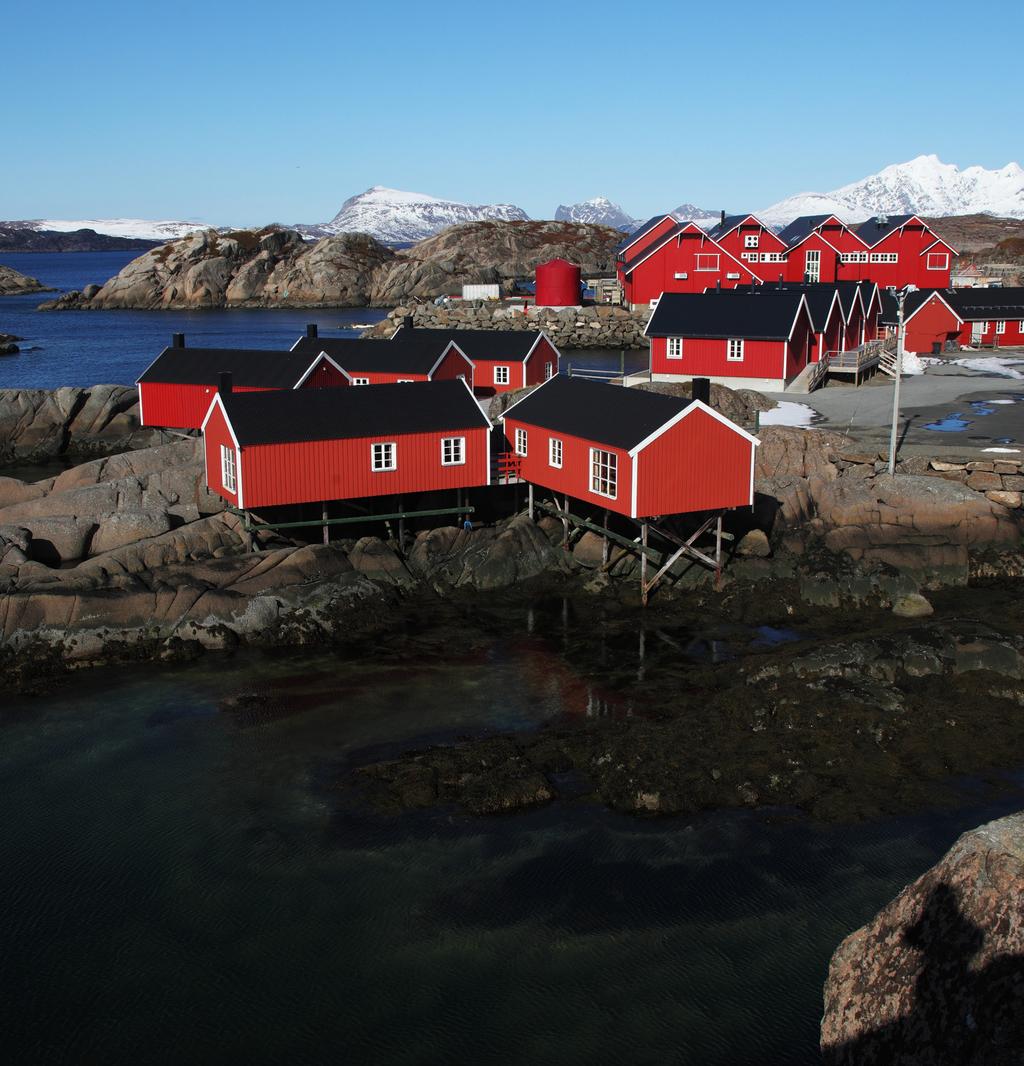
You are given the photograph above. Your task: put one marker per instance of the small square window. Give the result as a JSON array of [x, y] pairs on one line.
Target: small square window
[[549, 371], [555, 452], [751, 240], [360, 381], [501, 375], [453, 451], [520, 442], [734, 353], [674, 348], [1000, 327], [383, 457]]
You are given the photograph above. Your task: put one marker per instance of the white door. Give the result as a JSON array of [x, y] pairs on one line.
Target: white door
[[977, 332], [812, 266]]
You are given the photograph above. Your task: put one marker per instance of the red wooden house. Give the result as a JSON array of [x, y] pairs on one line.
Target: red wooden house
[[904, 250], [748, 339], [175, 390], [936, 318], [503, 360], [681, 259], [370, 362], [315, 445], [633, 452], [826, 311], [653, 228], [822, 248], [747, 238]]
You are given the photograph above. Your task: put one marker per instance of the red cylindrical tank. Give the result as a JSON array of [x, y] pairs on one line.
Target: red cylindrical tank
[[558, 284]]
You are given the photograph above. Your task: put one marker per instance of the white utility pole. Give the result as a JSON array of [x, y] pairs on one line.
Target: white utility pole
[[901, 298]]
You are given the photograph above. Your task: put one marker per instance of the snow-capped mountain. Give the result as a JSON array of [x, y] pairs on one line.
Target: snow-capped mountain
[[396, 217], [138, 228], [599, 210], [703, 216], [923, 186]]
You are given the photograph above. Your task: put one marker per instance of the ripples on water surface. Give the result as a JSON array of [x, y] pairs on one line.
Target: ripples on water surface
[[178, 884]]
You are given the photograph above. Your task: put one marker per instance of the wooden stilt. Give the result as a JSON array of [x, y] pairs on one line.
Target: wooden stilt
[[401, 526], [604, 543], [327, 528], [643, 564], [565, 523], [529, 496], [718, 554]]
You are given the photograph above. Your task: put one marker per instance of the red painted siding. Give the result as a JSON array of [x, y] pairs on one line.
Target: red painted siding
[[217, 434], [767, 242], [453, 366], [340, 469], [633, 250], [573, 478], [178, 406], [1013, 334], [386, 379], [483, 379], [799, 350], [325, 376], [795, 267], [543, 355], [697, 465], [707, 357], [933, 324]]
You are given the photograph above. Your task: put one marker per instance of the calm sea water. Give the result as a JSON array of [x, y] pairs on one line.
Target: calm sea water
[[179, 882], [91, 347]]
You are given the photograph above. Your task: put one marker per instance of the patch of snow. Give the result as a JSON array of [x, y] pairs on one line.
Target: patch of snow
[[924, 185], [788, 413], [913, 364], [599, 210], [139, 228], [1003, 451], [1000, 367]]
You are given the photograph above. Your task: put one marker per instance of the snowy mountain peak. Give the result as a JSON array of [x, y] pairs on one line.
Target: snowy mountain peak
[[922, 186], [136, 228], [396, 216], [599, 210]]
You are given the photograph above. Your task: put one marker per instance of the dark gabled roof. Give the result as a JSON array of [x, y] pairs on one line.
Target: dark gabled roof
[[594, 410], [819, 297], [253, 367], [799, 228], [511, 344], [746, 315], [354, 355], [986, 303], [340, 414], [641, 230], [890, 305], [664, 238], [730, 222], [873, 231]]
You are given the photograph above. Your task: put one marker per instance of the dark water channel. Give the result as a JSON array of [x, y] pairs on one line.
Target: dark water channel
[[178, 882]]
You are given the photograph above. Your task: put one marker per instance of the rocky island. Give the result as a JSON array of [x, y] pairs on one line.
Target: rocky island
[[276, 267], [14, 284]]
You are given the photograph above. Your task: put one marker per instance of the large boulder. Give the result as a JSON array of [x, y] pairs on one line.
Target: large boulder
[[938, 976], [127, 527]]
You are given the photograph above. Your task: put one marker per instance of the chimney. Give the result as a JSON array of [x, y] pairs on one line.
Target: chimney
[[224, 383], [701, 390], [718, 285], [721, 221], [311, 330], [177, 340], [780, 282], [407, 322]]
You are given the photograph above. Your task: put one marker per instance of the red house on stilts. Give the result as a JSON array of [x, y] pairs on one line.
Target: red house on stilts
[[370, 362]]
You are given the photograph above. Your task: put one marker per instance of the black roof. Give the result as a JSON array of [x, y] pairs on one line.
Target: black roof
[[986, 303], [256, 367], [641, 230], [594, 410], [767, 315], [819, 296], [512, 344], [338, 414], [416, 356], [657, 242], [874, 230], [725, 225], [800, 227], [890, 305]]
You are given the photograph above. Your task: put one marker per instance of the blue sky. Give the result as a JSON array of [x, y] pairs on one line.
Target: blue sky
[[248, 113]]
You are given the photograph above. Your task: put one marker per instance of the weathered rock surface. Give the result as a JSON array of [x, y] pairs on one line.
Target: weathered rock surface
[[42, 423], [938, 976], [12, 283], [276, 268]]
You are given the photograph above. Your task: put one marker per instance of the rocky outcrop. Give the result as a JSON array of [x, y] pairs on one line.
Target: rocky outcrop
[[938, 975], [8, 345], [13, 284], [42, 423], [276, 268]]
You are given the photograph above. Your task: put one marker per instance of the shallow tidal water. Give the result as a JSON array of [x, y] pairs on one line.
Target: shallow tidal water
[[179, 882]]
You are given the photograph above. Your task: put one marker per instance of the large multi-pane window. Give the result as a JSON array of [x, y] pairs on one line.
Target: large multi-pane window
[[604, 468], [520, 442], [734, 352], [501, 375], [555, 452], [674, 348], [227, 468], [383, 457], [453, 451]]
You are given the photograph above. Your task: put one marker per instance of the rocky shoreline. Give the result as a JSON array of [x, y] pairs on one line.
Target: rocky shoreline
[[14, 284]]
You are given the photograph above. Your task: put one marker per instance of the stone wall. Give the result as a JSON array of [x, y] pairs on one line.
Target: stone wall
[[571, 327]]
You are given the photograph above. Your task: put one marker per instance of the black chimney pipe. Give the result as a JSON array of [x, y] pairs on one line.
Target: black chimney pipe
[[722, 220], [224, 386], [407, 322], [701, 390], [177, 340], [718, 285], [311, 331]]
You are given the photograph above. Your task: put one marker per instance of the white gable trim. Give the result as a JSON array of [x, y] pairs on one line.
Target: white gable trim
[[796, 318], [444, 355], [636, 240], [536, 388], [322, 357], [218, 402], [490, 424], [694, 405], [633, 490], [924, 303], [938, 240]]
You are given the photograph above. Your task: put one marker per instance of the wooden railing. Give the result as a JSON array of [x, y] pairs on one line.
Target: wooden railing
[[507, 468]]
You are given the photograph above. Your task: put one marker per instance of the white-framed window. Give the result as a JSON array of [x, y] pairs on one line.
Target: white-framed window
[[885, 257], [853, 257], [555, 452], [707, 261], [680, 275], [383, 456], [1020, 326], [453, 451], [404, 381], [751, 257], [773, 257], [501, 375], [938, 260], [734, 350], [673, 347], [520, 442], [360, 381], [604, 472], [1000, 327], [549, 371], [981, 327], [812, 265], [751, 240], [227, 468]]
